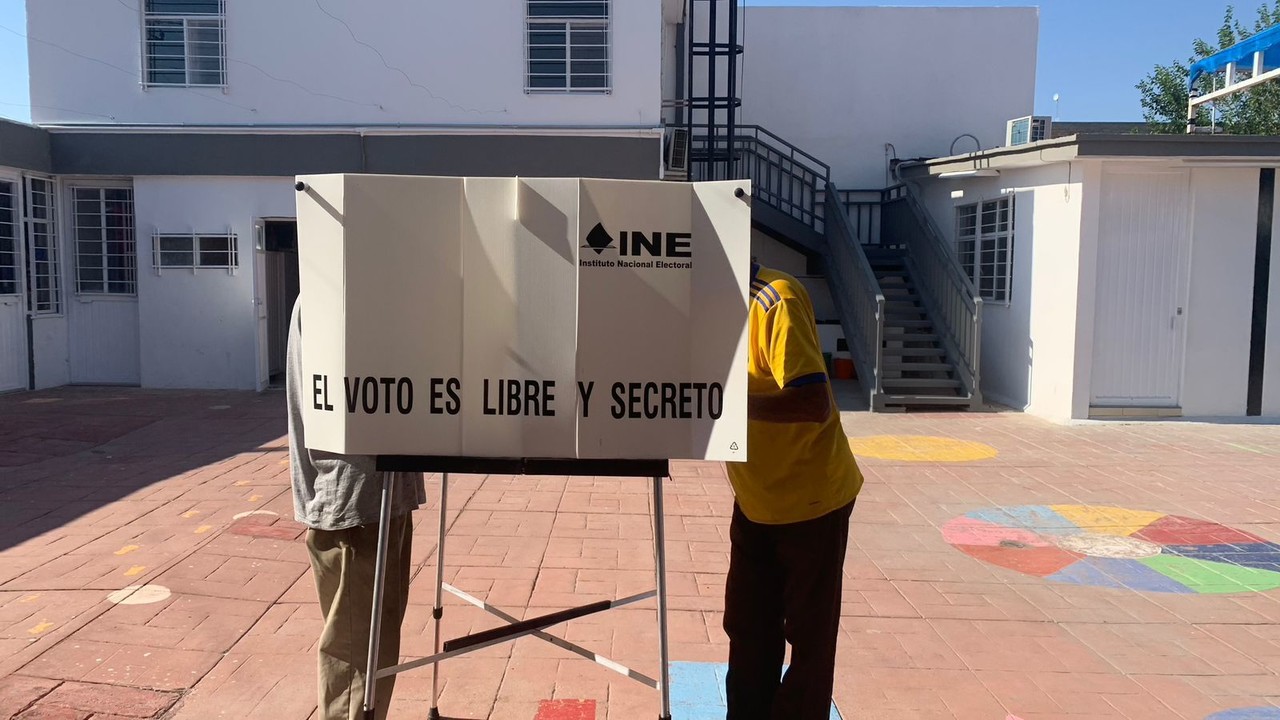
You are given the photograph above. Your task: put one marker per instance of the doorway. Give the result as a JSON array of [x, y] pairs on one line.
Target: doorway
[[1144, 246], [280, 242], [14, 362]]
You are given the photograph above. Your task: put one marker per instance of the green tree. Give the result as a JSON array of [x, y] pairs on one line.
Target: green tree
[[1252, 112]]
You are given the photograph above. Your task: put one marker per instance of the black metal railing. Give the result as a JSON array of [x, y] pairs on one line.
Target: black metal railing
[[782, 175], [863, 209], [948, 293], [798, 185], [857, 295]]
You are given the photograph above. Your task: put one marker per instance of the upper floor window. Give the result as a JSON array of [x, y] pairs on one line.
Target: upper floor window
[[984, 243], [185, 42], [567, 46]]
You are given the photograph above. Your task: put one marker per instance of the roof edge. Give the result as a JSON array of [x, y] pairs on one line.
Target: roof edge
[[1264, 148]]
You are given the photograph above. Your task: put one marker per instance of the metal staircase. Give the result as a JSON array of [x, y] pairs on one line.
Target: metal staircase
[[914, 364], [910, 316]]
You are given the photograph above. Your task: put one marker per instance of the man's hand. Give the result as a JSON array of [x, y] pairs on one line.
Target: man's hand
[[805, 404]]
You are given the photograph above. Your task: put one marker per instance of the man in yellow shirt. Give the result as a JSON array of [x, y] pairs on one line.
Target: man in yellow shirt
[[794, 497]]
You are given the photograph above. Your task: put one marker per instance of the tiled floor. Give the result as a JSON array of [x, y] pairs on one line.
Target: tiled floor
[[187, 494]]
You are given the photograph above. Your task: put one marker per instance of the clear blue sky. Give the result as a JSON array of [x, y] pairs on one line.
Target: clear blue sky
[[1092, 52]]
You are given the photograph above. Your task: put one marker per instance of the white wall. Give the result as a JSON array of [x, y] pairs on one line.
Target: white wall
[[840, 82], [1029, 352], [773, 254], [199, 329], [1219, 318], [290, 63]]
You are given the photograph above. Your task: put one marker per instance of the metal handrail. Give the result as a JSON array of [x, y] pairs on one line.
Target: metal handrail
[[797, 184], [826, 169], [783, 176], [948, 293], [858, 295]]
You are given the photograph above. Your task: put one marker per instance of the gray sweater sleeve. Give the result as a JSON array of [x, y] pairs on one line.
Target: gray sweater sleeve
[[332, 491]]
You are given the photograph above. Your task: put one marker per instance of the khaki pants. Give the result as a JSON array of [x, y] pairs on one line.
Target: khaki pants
[[343, 564]]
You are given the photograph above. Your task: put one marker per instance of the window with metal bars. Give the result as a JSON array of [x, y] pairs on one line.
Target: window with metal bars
[[106, 251], [184, 43], [43, 276], [984, 245], [10, 257], [567, 46], [195, 250]]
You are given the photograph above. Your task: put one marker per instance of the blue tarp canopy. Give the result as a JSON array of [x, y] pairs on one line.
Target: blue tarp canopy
[[1267, 42]]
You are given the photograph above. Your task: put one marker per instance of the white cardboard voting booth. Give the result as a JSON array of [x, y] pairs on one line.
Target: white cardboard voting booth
[[505, 317], [524, 326]]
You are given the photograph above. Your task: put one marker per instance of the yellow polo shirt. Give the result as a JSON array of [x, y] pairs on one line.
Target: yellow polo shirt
[[794, 471]]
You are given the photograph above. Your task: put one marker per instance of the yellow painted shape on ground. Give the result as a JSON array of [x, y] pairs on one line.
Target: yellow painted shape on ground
[[203, 529], [190, 514], [255, 498], [30, 598], [1107, 520], [284, 461], [127, 549], [240, 483], [920, 448], [135, 570], [42, 628]]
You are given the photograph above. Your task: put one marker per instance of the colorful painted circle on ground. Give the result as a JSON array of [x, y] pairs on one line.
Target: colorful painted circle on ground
[[1118, 548], [919, 448], [1256, 713]]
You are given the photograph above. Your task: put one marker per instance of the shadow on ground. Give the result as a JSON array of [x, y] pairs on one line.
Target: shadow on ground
[[69, 452]]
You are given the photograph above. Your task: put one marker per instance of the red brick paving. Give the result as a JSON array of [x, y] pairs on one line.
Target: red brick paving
[[100, 489], [18, 692], [120, 701]]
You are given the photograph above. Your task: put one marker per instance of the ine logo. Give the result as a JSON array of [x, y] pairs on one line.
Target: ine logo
[[640, 244], [599, 239], [637, 249]]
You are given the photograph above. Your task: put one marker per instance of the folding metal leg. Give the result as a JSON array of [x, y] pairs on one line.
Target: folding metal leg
[[660, 567], [530, 627], [379, 581], [437, 613]]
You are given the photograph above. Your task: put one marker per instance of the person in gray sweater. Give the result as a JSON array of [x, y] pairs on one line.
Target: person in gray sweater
[[338, 498]]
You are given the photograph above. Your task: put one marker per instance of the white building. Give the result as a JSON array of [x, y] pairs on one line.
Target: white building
[[146, 218], [1124, 275]]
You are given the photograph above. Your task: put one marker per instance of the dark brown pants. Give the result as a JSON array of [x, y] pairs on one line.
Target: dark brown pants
[[343, 564], [784, 587]]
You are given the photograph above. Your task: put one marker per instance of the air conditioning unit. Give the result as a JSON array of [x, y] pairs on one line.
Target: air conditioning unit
[[1029, 129], [676, 153]]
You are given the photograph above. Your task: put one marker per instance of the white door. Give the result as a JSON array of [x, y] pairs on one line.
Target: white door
[[13, 303], [103, 311], [1143, 249]]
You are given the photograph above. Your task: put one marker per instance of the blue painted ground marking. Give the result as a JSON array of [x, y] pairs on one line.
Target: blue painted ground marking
[[697, 691]]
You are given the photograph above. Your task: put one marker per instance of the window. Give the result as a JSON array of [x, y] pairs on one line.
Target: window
[[185, 42], [984, 239], [195, 251], [42, 248], [9, 283], [106, 251], [567, 46]]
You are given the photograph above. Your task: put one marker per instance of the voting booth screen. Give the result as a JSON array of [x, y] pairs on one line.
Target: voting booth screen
[[514, 317]]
